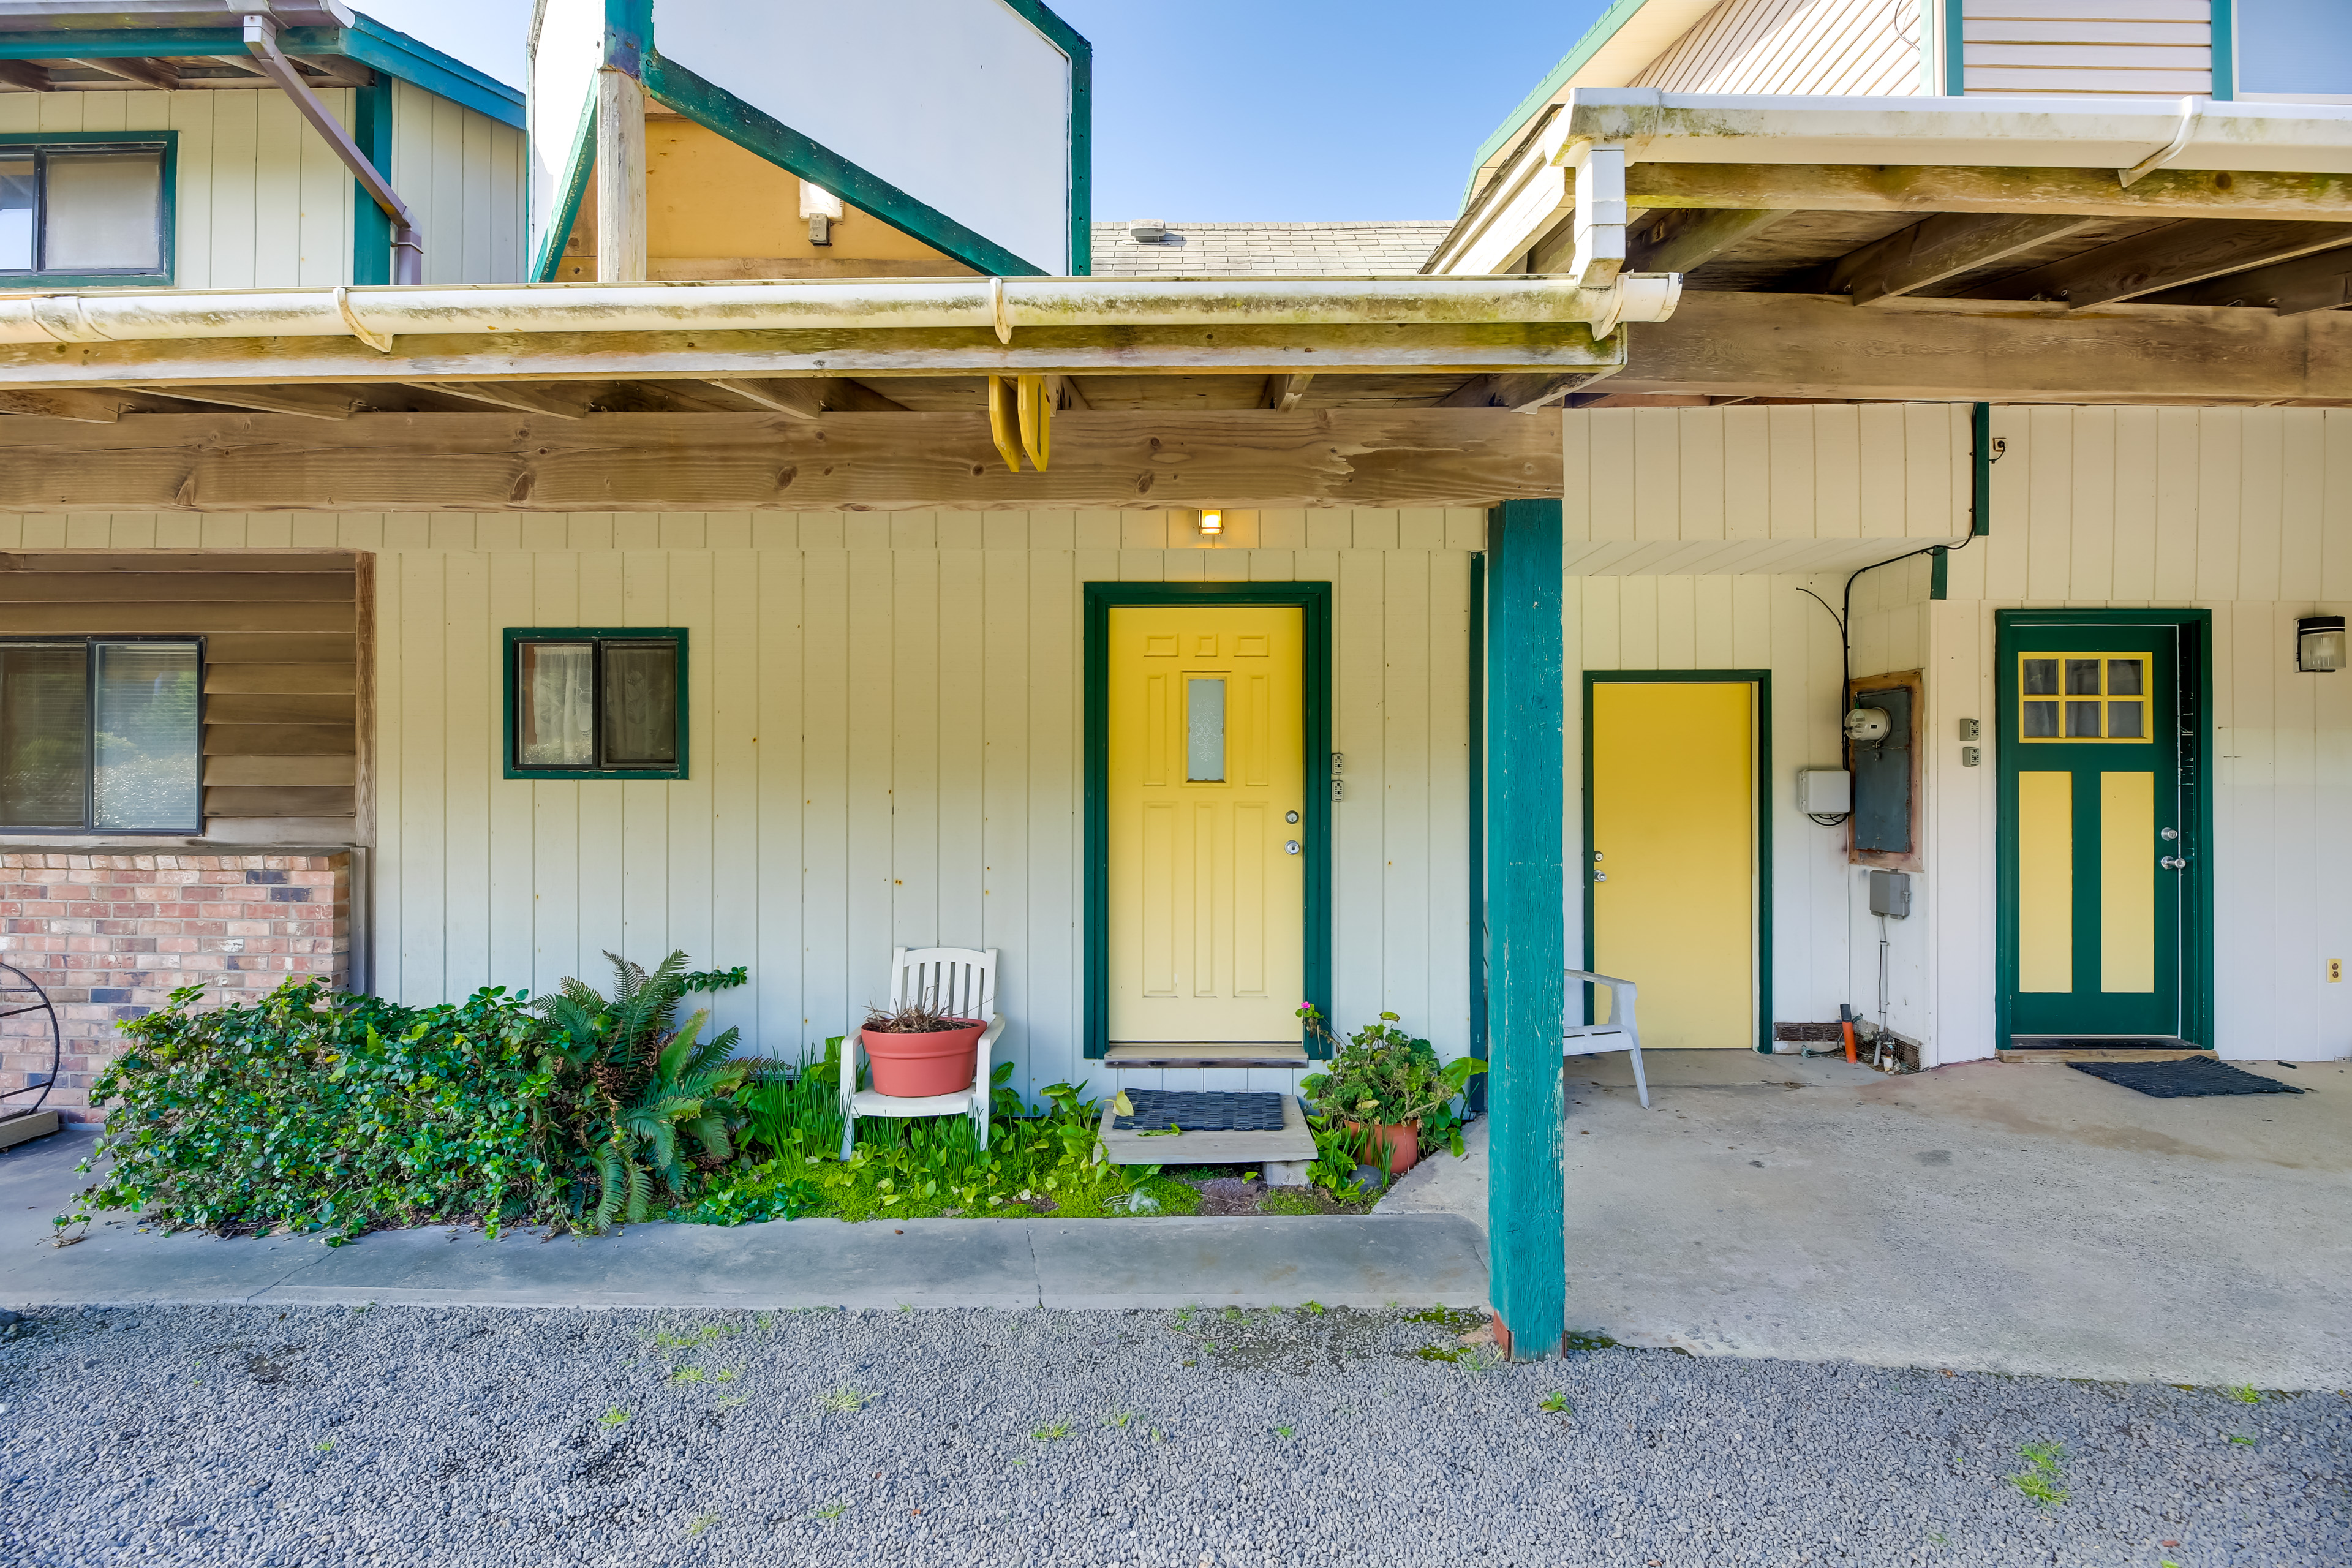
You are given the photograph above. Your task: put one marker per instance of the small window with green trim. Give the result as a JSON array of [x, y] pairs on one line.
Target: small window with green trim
[[82, 210], [595, 702]]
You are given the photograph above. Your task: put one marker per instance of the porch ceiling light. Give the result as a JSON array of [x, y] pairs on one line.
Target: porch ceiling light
[[1212, 523], [2319, 644]]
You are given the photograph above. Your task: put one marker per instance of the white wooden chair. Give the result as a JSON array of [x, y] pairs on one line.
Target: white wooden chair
[[958, 980], [1617, 1035]]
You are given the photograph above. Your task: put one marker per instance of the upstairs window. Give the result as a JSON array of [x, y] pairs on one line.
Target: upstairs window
[[595, 702], [100, 735], [84, 211]]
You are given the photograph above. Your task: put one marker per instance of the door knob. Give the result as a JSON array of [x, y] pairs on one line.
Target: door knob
[[2173, 863], [1291, 847], [2168, 834], [1601, 876]]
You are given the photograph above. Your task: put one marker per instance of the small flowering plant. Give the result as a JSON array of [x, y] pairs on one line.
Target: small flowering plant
[[1383, 1074]]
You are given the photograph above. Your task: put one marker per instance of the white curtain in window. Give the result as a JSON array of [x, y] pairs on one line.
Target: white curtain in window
[[557, 696], [103, 211]]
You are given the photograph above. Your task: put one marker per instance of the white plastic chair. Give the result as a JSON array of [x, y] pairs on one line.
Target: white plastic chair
[[1617, 1035], [959, 982]]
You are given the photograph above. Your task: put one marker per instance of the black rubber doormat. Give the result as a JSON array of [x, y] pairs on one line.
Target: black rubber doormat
[[2189, 1078], [1197, 1110]]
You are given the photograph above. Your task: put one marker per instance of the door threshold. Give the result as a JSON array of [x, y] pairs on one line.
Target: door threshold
[[2099, 1048], [1204, 1054]]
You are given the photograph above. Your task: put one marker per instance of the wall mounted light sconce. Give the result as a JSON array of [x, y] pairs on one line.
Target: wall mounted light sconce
[[1212, 523], [2319, 644]]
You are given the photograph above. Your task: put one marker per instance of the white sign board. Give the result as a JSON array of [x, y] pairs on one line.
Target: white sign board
[[962, 104]]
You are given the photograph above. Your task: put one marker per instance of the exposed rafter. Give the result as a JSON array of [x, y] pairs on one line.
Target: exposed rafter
[[309, 403], [153, 74], [1283, 391], [1862, 187], [1940, 248], [563, 402], [1686, 238], [26, 75], [89, 407], [2170, 258], [2320, 281]]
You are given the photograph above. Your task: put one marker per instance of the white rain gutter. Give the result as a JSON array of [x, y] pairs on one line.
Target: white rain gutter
[[1003, 305]]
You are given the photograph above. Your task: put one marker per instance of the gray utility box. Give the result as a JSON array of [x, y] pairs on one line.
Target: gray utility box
[[1890, 894]]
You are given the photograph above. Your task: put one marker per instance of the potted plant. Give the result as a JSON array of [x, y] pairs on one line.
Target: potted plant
[[1385, 1083], [918, 1051]]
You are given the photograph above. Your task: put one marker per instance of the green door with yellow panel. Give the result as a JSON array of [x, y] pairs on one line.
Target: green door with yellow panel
[[2098, 796]]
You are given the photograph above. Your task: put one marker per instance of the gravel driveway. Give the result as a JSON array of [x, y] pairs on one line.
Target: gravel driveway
[[464, 1435]]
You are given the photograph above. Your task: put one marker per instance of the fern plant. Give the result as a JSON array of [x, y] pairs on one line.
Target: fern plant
[[644, 1083]]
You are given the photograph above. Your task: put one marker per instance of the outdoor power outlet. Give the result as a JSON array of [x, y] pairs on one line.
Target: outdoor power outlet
[[1824, 791]]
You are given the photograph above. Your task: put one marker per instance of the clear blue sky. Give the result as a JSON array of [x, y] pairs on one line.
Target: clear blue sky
[[1258, 110]]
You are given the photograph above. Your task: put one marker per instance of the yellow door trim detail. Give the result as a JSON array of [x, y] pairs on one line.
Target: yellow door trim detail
[[2045, 882], [2127, 881]]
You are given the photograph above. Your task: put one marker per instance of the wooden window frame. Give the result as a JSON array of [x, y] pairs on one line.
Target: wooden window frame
[[166, 207], [516, 637], [91, 642]]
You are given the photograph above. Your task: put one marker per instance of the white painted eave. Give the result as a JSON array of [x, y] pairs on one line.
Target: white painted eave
[[2024, 132]]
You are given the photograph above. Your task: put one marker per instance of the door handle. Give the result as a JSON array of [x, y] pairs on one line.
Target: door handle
[[1601, 876], [2174, 863], [1290, 846]]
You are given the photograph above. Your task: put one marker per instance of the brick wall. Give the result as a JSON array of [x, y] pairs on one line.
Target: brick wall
[[108, 937]]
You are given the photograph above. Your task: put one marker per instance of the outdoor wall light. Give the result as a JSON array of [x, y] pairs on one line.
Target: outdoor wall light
[[2319, 643], [1212, 523]]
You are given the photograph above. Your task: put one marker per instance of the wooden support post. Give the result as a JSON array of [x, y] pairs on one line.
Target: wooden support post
[[1525, 1215], [620, 178]]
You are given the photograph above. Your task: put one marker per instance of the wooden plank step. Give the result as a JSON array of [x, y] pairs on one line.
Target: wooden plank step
[[25, 1125], [1205, 1054], [1296, 1141]]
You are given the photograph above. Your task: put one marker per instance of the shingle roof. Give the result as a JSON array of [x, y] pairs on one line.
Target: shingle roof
[[1220, 250]]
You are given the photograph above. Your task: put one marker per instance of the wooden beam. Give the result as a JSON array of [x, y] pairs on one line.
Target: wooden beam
[[805, 397], [139, 73], [1683, 239], [1870, 188], [1519, 394], [1525, 1217], [1283, 391], [2320, 281], [1728, 344], [25, 74], [620, 177], [89, 407], [307, 402], [2168, 258], [560, 403], [1940, 247], [1445, 348], [730, 462]]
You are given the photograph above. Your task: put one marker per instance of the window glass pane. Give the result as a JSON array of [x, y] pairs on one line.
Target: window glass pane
[[2123, 677], [2040, 719], [103, 211], [146, 741], [2124, 721], [1205, 732], [2042, 677], [2295, 47], [44, 734], [15, 214], [2083, 676], [555, 705], [2083, 720], [640, 705]]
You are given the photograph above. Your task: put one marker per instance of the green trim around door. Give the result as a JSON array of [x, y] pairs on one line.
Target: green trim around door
[[1313, 602], [2194, 678], [1762, 681]]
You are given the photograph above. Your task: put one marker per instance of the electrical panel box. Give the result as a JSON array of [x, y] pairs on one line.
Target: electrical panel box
[[1890, 894], [1882, 777], [1824, 791]]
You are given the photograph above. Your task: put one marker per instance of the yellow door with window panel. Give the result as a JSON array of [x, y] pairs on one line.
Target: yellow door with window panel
[[1206, 877], [2092, 793], [1672, 856]]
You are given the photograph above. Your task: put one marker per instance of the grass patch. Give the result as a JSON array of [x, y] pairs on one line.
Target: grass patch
[[2041, 1480]]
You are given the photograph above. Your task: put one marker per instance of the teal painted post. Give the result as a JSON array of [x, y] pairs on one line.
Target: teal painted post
[[1527, 926], [370, 228], [1981, 468]]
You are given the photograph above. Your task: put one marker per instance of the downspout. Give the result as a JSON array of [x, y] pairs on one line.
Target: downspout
[[407, 241]]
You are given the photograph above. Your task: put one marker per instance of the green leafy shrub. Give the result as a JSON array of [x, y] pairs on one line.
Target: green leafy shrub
[[317, 1112], [1383, 1074]]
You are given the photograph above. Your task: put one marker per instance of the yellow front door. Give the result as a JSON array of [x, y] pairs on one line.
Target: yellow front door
[[1207, 838], [1673, 856]]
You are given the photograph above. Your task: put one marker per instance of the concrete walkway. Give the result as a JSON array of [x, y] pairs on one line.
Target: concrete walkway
[[1991, 1217], [1358, 1261]]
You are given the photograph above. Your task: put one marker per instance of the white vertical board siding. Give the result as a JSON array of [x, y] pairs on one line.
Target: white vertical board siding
[[885, 749], [260, 200], [1734, 622], [461, 172], [1861, 46], [2159, 47], [1779, 488], [2245, 512]]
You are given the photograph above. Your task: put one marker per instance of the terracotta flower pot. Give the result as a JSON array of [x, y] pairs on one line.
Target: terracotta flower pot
[[915, 1066], [1401, 1140]]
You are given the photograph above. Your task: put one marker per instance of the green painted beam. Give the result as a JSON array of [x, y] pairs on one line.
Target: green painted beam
[[1526, 927], [371, 225]]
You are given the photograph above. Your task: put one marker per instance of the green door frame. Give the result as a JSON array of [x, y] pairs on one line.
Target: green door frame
[[2195, 685], [1762, 681], [1314, 600]]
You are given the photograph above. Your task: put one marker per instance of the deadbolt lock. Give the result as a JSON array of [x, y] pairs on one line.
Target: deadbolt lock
[[2170, 833], [1290, 817]]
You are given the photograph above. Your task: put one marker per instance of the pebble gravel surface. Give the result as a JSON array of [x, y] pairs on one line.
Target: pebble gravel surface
[[467, 1435]]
